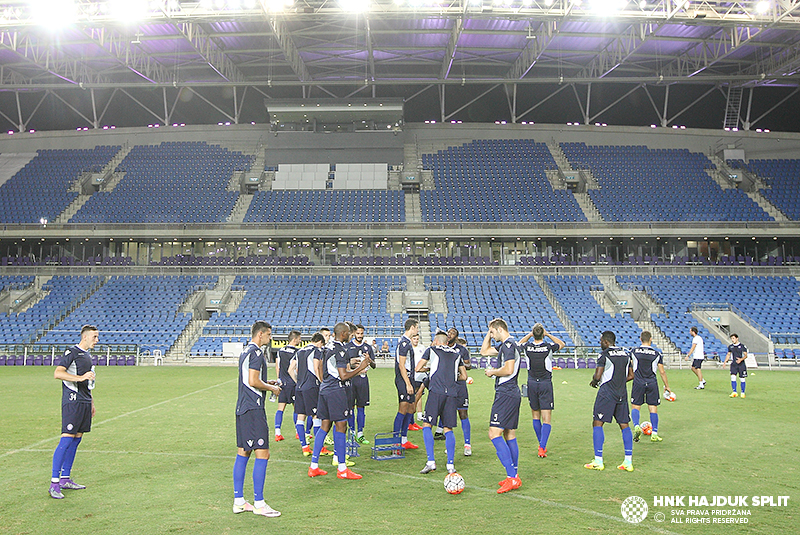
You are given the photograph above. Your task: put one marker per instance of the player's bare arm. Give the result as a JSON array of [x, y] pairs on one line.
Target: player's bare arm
[[344, 375], [663, 373], [504, 371], [486, 347], [690, 353], [401, 362], [254, 378], [421, 365], [462, 373], [293, 369], [62, 374], [598, 373], [555, 340]]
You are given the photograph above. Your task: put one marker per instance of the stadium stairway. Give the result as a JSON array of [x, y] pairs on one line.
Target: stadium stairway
[[562, 315], [670, 352], [31, 296], [413, 210], [89, 292], [556, 178], [241, 207], [767, 206]]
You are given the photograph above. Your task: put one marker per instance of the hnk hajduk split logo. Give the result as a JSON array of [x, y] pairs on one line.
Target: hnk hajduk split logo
[[634, 509]]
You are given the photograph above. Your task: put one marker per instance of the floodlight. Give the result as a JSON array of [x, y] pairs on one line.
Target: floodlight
[[354, 6], [762, 7], [548, 3], [54, 13]]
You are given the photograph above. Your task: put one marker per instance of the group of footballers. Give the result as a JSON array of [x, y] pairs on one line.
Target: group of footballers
[[326, 381]]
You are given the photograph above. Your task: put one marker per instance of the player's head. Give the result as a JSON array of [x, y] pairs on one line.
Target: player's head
[[452, 336], [415, 340], [646, 337], [89, 336], [608, 339], [440, 338], [411, 326], [352, 327], [261, 332], [294, 338], [498, 329], [318, 340], [734, 338], [326, 333], [538, 332], [341, 332], [359, 334], [693, 330]]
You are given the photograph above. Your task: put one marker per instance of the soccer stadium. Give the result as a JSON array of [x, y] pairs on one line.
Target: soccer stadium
[[174, 172]]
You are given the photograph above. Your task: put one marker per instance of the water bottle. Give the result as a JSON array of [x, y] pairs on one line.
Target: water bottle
[[91, 382]]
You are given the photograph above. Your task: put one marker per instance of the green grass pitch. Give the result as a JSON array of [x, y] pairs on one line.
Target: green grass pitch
[[160, 456]]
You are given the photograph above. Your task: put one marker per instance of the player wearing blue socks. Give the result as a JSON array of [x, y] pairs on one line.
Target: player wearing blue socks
[[77, 408], [357, 350], [504, 418], [646, 361], [737, 354], [614, 370], [287, 395], [540, 380], [252, 429], [333, 404], [446, 368], [404, 367], [307, 390], [463, 393]]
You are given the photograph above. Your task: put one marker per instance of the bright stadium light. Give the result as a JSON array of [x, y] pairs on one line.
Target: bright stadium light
[[762, 7], [54, 13], [354, 6], [602, 7], [129, 10]]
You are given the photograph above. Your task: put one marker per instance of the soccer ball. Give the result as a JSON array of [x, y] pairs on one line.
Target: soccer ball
[[454, 483], [647, 428], [669, 396]]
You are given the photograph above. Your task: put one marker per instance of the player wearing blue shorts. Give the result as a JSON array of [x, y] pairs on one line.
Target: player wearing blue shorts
[[540, 380], [463, 393], [646, 361], [357, 350], [505, 409], [614, 370], [404, 367], [737, 354], [306, 393], [446, 369], [77, 408], [333, 404], [288, 386], [252, 429]]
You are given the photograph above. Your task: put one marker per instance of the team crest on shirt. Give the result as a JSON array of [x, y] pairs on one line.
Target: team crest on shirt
[[599, 415], [508, 344], [260, 441], [69, 427], [249, 442]]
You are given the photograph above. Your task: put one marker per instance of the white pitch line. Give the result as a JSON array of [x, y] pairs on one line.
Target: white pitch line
[[29, 448], [548, 503]]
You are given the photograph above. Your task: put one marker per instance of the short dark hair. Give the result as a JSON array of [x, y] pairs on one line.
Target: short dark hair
[[324, 330], [259, 326], [694, 330], [317, 337], [351, 326], [410, 322], [499, 323], [453, 329], [646, 336], [86, 328], [734, 334], [609, 337], [294, 335], [340, 328], [359, 326], [538, 331]]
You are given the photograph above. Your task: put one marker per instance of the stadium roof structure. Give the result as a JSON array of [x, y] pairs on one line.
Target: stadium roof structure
[[67, 63]]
